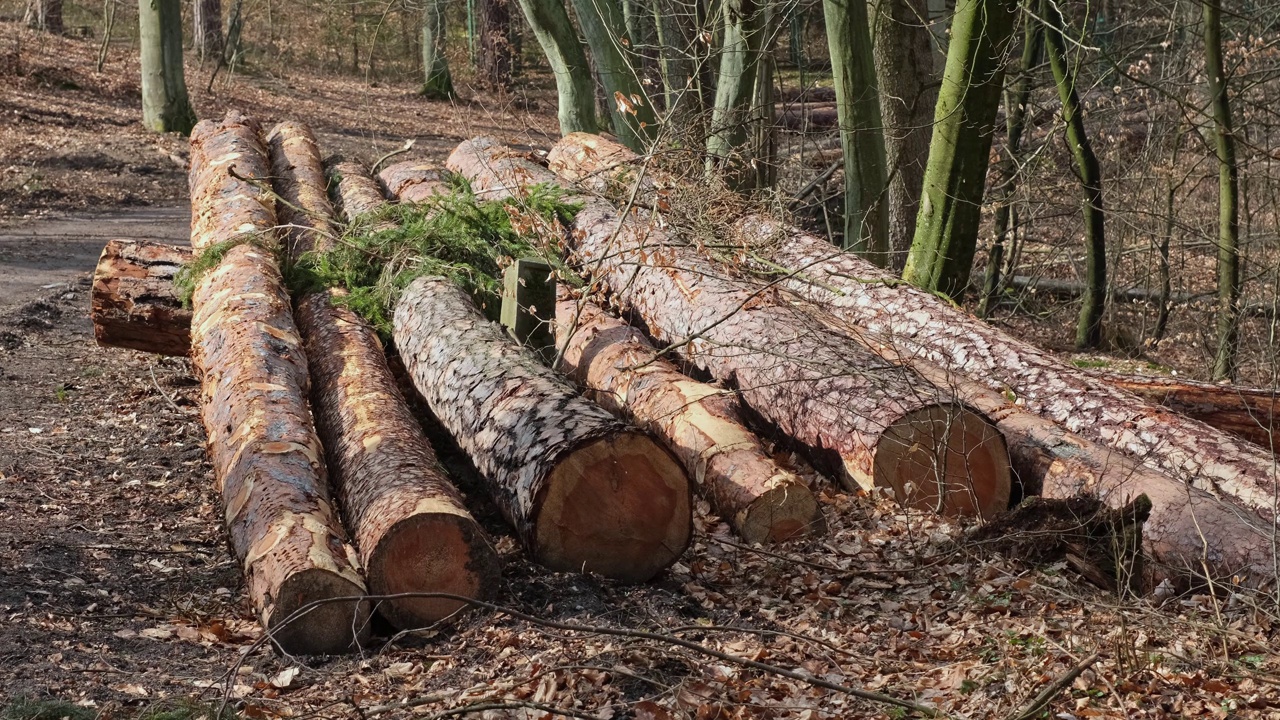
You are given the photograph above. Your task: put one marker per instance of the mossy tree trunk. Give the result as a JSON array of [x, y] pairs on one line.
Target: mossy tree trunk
[[941, 253], [437, 80], [551, 26], [1093, 301], [866, 222], [605, 28], [165, 106], [745, 24], [1224, 363]]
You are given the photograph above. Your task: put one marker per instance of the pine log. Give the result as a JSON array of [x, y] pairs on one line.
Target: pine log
[[354, 193], [1252, 413], [703, 425], [866, 420], [411, 529], [495, 171], [583, 490], [134, 304], [261, 440], [413, 182]]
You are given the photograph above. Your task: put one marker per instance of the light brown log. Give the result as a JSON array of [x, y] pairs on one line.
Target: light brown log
[[353, 191], [134, 304], [608, 168], [874, 424], [413, 182], [495, 171], [1252, 413], [583, 490], [261, 440], [703, 425], [410, 527]]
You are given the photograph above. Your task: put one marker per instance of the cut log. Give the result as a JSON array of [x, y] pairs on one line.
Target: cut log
[[811, 117], [134, 304], [412, 531], [495, 171], [870, 422], [608, 168], [413, 182], [353, 191], [583, 490], [1247, 412], [261, 441], [703, 425], [1060, 289]]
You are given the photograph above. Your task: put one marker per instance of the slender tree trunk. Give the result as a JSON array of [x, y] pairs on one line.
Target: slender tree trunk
[[551, 26], [866, 220], [108, 26], [764, 135], [165, 107], [1224, 362], [1089, 324], [677, 37], [1166, 280], [904, 59], [206, 29], [745, 25], [437, 80], [941, 253], [495, 55], [45, 15], [1015, 110], [605, 29]]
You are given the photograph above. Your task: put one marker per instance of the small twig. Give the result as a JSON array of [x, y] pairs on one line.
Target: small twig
[[1041, 701], [408, 145], [151, 368], [814, 184]]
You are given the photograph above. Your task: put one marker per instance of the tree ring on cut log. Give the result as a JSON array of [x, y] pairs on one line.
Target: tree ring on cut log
[[425, 552], [959, 446], [618, 506], [779, 514], [328, 628]]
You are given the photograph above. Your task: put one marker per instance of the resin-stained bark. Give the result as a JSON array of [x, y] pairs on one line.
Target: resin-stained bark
[[413, 182], [703, 425], [134, 304], [261, 441], [583, 490]]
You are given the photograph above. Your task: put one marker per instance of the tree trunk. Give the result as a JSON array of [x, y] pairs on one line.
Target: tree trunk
[[1195, 531], [1015, 104], [947, 227], [206, 29], [576, 95], [605, 30], [746, 28], [703, 425], [165, 107], [353, 192], [927, 329], [1247, 412], [134, 304], [677, 39], [413, 182], [866, 220], [412, 531], [1224, 362], [437, 80], [496, 55], [904, 59], [1089, 325], [262, 444], [46, 16], [583, 490]]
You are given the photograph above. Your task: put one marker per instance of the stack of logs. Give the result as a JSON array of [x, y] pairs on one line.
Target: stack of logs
[[882, 387]]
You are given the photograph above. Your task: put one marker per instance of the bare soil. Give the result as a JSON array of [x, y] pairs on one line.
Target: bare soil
[[117, 591]]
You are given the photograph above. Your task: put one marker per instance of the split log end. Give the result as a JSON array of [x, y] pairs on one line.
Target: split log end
[[787, 511], [133, 302], [337, 623], [619, 506]]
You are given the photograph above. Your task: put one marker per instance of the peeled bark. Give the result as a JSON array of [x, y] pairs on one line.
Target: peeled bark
[[354, 193], [1247, 412], [410, 527], [857, 417], [926, 329], [261, 440], [134, 304], [412, 182], [703, 425], [583, 491]]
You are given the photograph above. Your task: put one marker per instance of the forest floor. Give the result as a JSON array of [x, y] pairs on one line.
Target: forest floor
[[118, 596]]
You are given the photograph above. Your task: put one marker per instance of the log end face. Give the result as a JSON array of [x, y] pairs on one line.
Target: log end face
[[619, 506], [340, 626], [945, 459], [787, 511], [431, 553]]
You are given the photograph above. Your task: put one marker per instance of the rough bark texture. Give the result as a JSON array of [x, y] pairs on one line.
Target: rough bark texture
[[134, 304], [925, 329], [607, 168], [354, 193], [495, 55], [702, 424], [1247, 412], [261, 441], [412, 182], [411, 529], [410, 526], [495, 171], [858, 416], [583, 490]]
